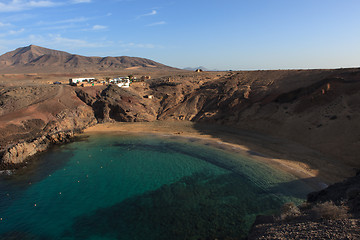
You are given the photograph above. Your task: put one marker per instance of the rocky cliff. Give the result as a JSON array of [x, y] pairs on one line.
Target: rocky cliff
[[332, 213], [319, 109], [116, 104], [33, 127], [316, 108], [58, 131]]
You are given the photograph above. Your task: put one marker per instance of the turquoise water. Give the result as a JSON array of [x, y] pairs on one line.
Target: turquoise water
[[140, 187]]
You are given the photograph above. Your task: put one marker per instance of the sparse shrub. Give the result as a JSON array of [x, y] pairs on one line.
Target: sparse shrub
[[328, 210], [289, 211]]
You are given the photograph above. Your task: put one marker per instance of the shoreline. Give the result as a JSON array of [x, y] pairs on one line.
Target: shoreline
[[181, 129]]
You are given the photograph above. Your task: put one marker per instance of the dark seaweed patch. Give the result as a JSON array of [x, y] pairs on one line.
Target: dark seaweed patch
[[202, 206]]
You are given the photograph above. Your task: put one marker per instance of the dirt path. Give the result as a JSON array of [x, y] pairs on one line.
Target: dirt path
[[49, 96]]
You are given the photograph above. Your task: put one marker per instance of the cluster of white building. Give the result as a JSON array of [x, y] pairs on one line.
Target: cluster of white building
[[120, 82], [75, 81]]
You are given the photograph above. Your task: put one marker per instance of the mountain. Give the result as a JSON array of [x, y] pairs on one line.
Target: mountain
[[37, 59]]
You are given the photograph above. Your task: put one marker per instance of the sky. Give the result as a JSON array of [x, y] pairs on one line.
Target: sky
[[216, 34]]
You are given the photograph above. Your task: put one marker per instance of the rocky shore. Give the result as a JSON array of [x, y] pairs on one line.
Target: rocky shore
[[53, 120], [316, 109], [332, 213]]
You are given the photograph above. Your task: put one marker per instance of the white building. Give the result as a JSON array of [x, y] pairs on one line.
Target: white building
[[121, 82], [75, 81]]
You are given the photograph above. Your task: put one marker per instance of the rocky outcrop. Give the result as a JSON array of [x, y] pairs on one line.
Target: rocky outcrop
[[347, 192], [316, 108], [18, 153], [61, 130], [332, 213], [330, 229], [115, 104]]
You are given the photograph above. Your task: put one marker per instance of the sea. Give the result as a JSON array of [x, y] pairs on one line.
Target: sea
[[124, 186]]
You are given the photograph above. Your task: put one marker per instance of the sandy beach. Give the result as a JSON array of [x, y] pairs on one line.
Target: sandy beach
[[251, 145]]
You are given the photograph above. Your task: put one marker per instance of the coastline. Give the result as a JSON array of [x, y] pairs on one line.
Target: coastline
[[234, 142]]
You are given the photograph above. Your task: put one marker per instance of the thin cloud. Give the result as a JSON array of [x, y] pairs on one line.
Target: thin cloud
[[74, 20], [73, 42], [21, 5], [136, 45], [55, 41], [156, 24], [80, 1], [62, 24], [19, 17], [71, 20], [152, 13], [5, 24], [99, 27], [12, 32], [37, 4], [59, 27]]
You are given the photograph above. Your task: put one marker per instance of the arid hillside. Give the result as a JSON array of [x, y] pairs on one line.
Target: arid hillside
[[307, 119], [318, 109], [35, 59]]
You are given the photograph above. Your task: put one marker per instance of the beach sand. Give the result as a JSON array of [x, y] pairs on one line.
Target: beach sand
[[278, 153]]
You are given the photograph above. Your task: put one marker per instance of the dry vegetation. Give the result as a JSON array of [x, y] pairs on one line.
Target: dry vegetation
[[333, 213], [328, 210]]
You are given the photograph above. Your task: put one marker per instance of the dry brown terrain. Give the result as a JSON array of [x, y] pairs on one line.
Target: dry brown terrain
[[315, 109], [306, 120]]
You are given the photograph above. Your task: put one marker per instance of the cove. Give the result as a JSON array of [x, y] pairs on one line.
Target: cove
[[108, 186]]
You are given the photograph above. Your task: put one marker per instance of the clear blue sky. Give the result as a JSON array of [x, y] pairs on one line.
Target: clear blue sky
[[217, 34]]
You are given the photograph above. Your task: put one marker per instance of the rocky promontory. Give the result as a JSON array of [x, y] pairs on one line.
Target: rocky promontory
[[332, 213], [31, 128]]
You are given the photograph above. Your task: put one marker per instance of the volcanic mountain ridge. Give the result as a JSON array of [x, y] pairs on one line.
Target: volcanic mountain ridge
[[37, 59]]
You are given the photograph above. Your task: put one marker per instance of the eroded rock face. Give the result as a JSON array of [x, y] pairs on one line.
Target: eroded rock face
[[338, 219], [316, 108], [346, 192], [57, 131], [18, 153], [115, 104]]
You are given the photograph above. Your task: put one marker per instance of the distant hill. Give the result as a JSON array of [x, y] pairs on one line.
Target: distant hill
[[193, 69], [37, 59]]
